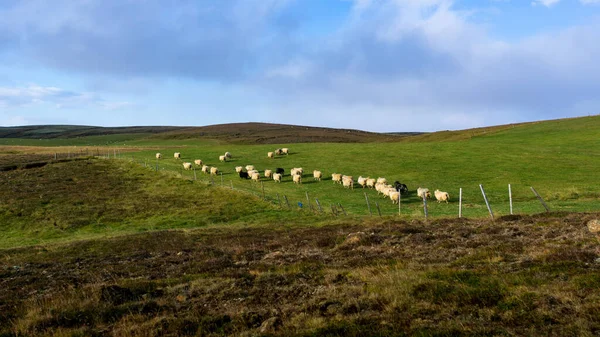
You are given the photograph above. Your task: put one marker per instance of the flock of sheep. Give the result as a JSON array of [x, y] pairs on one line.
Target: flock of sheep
[[391, 191]]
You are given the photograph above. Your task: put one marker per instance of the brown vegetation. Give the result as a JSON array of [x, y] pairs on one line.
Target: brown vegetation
[[521, 275]]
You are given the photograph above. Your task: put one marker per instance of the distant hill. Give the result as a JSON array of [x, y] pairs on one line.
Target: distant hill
[[74, 131], [237, 133]]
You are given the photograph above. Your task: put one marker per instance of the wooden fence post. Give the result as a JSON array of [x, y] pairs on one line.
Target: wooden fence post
[[425, 204], [343, 210], [540, 199], [486, 201], [378, 210], [460, 203], [319, 205]]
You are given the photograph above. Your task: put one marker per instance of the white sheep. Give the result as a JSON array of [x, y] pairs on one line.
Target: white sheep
[[256, 176], [214, 171], [187, 166], [205, 168], [395, 197], [222, 158], [277, 177], [362, 181], [249, 167], [285, 150], [270, 155], [317, 175], [297, 178], [268, 173], [371, 182], [348, 182], [239, 169], [198, 162], [441, 196], [337, 178], [421, 191], [279, 152], [381, 180], [177, 155], [158, 155], [227, 155], [297, 171]]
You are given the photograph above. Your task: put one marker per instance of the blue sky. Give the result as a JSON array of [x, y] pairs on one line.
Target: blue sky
[[377, 65]]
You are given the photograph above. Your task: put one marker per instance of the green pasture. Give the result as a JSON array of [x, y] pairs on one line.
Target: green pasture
[[560, 159]]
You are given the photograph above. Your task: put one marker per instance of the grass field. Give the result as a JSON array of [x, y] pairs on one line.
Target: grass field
[[93, 247], [558, 158]]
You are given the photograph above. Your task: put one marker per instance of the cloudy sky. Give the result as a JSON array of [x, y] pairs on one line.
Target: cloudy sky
[[377, 65]]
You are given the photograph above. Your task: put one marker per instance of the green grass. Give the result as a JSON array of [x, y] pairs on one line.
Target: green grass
[[558, 158], [99, 198]]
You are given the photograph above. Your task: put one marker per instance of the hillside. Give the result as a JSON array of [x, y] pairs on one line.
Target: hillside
[[235, 133]]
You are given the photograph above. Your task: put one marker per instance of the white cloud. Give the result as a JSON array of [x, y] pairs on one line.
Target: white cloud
[[33, 95], [547, 3]]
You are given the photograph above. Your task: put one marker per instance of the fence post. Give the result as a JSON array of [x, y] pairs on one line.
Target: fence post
[[378, 210], [425, 204], [231, 182], [510, 199], [194, 172], [319, 205], [286, 201], [308, 200], [368, 206], [278, 200], [540, 198], [343, 210], [262, 185], [460, 203], [55, 156], [486, 201], [399, 203]]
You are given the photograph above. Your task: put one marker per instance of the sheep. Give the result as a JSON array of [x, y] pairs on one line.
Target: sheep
[[187, 166], [277, 177], [205, 168], [252, 172], [441, 196], [222, 158], [395, 197], [214, 171], [362, 181], [280, 171], [400, 187], [268, 173], [371, 182], [382, 180], [198, 162], [239, 169], [279, 152], [297, 171], [227, 155], [244, 175], [297, 178], [158, 155], [348, 182], [249, 167], [256, 176], [177, 155], [421, 191], [337, 178], [317, 175], [285, 151], [387, 190], [270, 155]]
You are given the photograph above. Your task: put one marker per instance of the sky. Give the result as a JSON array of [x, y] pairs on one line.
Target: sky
[[375, 65]]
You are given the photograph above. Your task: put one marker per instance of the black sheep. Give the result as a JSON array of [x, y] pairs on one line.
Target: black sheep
[[244, 175], [279, 170], [400, 187]]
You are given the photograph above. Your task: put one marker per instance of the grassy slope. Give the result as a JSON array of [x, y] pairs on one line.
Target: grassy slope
[[558, 158], [86, 199]]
